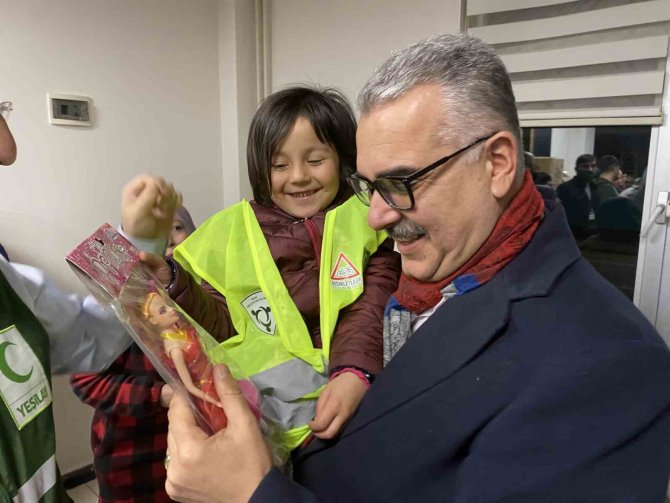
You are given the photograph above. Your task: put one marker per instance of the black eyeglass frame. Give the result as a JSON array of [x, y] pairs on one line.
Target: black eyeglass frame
[[407, 180]]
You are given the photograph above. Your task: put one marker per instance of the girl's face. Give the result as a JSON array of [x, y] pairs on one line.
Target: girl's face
[[305, 173], [177, 235], [161, 315]]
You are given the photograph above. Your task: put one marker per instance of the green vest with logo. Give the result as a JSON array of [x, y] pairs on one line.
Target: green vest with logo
[[273, 345], [28, 471]]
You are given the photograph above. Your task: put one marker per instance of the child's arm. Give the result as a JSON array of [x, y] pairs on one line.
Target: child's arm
[[203, 302], [358, 338], [118, 390], [337, 403], [356, 350]]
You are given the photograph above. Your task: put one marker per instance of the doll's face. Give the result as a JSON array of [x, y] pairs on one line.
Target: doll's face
[[161, 314]]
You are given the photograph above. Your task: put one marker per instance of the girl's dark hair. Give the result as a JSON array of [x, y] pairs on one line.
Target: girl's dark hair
[[329, 113]]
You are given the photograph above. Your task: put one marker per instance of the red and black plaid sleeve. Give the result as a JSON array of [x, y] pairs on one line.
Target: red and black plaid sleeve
[[129, 431], [129, 387]]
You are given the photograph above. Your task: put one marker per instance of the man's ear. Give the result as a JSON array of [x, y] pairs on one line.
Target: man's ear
[[501, 163]]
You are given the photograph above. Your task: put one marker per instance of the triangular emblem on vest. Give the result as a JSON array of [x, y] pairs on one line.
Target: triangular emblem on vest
[[345, 275]]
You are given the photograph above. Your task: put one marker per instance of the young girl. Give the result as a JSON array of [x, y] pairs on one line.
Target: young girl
[[294, 282]]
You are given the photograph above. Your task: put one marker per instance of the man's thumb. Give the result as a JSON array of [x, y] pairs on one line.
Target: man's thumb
[[234, 404]]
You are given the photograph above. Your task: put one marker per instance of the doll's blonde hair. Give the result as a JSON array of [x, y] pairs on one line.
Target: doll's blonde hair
[[147, 304]]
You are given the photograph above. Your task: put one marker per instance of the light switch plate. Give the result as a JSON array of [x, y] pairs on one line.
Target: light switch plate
[[69, 109]]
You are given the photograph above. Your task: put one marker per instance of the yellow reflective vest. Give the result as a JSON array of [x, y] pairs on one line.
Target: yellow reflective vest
[[273, 346]]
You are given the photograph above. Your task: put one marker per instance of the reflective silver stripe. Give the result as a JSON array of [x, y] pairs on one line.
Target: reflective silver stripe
[[290, 380], [39, 484], [288, 415], [283, 387]]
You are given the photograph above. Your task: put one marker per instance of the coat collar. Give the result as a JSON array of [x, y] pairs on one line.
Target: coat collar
[[550, 252], [469, 322]]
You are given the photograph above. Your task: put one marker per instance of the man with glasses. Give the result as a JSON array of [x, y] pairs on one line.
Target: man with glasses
[[579, 197], [502, 382]]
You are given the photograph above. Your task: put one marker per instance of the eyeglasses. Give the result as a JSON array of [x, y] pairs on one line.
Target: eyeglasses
[[5, 108], [397, 190]]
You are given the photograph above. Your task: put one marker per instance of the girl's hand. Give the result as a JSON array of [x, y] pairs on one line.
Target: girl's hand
[[337, 403], [148, 205], [159, 267]]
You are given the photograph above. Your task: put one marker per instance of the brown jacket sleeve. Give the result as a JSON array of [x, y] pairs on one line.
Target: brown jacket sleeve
[[358, 335], [202, 303]]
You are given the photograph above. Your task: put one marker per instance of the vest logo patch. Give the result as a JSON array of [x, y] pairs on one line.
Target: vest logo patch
[[345, 275], [24, 387], [258, 309]]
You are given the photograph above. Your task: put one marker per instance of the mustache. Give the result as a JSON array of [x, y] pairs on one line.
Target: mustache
[[406, 230]]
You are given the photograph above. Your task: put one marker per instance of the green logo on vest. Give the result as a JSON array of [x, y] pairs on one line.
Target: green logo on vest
[[258, 309], [345, 275], [7, 370], [24, 387]]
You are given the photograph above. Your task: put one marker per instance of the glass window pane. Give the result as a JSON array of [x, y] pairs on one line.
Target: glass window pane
[[604, 208]]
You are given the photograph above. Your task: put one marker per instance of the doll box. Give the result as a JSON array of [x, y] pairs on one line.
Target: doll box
[[104, 262]]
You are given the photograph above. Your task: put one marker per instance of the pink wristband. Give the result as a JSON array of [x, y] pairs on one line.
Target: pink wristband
[[354, 371]]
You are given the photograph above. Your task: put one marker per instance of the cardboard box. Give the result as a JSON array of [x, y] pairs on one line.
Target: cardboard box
[[552, 166]]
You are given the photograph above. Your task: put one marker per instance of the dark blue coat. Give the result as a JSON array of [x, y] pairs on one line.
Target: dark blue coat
[[545, 384]]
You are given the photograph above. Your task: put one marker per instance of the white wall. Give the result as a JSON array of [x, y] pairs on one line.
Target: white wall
[[339, 43], [152, 70], [237, 71], [652, 282], [174, 86], [569, 143]]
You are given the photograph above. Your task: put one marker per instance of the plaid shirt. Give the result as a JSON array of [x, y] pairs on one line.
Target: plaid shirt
[[129, 430]]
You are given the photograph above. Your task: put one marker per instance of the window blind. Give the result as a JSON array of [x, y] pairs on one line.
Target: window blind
[[585, 62]]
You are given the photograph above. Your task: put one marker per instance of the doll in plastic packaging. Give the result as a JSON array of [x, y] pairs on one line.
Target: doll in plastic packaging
[[184, 354]]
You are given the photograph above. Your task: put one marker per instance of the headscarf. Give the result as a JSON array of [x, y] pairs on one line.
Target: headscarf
[[184, 217]]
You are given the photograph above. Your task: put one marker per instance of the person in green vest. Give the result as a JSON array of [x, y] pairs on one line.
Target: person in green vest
[[294, 282], [44, 330]]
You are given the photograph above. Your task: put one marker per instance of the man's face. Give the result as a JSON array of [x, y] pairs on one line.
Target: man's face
[[454, 210], [620, 179], [586, 170]]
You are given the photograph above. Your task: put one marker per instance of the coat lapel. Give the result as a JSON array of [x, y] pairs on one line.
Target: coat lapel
[[435, 352], [464, 326]]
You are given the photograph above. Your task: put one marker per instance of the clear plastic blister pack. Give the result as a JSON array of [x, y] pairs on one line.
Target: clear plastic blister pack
[[182, 352]]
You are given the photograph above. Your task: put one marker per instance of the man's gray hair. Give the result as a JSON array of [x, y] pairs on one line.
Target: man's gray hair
[[477, 92]]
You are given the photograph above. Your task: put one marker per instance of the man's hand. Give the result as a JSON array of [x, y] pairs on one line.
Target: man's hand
[[337, 404], [226, 467], [148, 205]]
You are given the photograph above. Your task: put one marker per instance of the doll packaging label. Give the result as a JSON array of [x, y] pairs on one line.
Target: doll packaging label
[[104, 262]]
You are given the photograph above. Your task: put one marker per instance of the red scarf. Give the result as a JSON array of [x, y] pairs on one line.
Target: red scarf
[[511, 234]]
